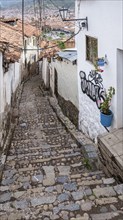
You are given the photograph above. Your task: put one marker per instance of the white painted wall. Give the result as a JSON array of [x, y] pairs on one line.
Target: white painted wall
[[45, 72], [105, 24], [1, 85], [52, 77], [40, 67], [119, 103], [9, 81], [31, 50], [67, 80]]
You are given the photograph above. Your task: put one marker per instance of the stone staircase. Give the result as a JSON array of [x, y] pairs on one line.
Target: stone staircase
[[46, 175]]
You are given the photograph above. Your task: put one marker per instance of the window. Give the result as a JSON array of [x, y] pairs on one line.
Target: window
[[25, 44], [34, 42], [91, 49]]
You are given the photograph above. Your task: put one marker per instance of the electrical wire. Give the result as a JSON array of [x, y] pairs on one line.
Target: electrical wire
[[66, 5], [70, 5], [56, 6]]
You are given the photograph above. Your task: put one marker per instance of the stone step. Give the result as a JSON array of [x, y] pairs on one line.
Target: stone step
[[45, 215], [53, 199], [49, 160], [49, 176], [39, 152], [107, 195], [101, 195], [32, 143], [108, 215], [41, 133]]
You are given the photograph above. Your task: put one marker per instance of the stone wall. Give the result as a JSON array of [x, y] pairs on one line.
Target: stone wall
[[89, 116], [69, 109], [5, 125], [64, 74], [110, 153], [9, 120]]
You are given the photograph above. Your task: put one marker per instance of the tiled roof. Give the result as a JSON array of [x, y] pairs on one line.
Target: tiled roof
[[29, 30], [51, 49], [11, 53], [8, 19], [9, 34], [14, 40], [13, 36]]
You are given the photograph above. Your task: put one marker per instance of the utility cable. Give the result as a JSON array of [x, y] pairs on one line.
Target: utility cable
[[56, 6]]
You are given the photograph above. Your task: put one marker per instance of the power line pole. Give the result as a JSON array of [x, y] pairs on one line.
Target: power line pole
[[23, 32], [23, 23]]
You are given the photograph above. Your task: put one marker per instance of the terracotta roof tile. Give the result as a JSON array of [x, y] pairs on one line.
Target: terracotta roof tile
[[6, 20], [49, 52], [29, 30], [13, 36], [14, 40], [7, 33]]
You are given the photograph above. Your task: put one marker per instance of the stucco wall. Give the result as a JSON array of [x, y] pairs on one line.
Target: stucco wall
[[9, 81], [31, 54], [105, 24], [67, 80], [1, 84], [45, 73]]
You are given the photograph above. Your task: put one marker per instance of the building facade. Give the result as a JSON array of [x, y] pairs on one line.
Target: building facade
[[9, 82], [60, 76], [14, 63], [103, 38], [63, 82]]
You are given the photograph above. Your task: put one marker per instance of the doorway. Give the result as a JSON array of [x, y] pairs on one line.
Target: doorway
[[56, 83], [119, 88]]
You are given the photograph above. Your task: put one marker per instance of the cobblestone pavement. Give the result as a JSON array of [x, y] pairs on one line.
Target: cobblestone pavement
[[45, 175]]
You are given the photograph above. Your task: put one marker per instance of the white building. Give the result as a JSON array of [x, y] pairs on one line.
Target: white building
[[104, 38], [9, 81], [61, 77], [13, 68]]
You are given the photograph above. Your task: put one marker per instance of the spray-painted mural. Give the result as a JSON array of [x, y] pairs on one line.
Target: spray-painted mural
[[92, 86]]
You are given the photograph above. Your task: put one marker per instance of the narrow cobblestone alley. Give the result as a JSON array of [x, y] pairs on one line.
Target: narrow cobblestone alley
[[44, 177]]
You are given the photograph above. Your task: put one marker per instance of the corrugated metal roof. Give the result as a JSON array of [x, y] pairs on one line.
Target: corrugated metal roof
[[69, 55]]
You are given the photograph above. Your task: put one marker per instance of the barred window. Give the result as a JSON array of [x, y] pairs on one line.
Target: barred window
[[91, 49]]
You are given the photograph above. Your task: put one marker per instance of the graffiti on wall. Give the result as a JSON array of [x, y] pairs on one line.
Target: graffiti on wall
[[92, 86]]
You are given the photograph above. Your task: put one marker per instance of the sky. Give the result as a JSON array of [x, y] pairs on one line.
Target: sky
[[9, 3]]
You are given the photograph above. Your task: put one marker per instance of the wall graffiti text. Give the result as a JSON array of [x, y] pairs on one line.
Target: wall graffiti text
[[92, 86]]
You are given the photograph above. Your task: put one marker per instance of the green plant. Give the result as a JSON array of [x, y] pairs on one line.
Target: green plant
[[61, 44], [105, 105], [96, 66], [49, 38], [87, 164]]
